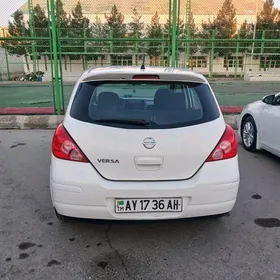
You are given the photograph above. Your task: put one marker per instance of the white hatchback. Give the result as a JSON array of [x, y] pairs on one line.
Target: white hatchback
[[142, 144]]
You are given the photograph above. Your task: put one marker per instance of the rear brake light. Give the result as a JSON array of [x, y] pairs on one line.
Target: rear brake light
[[64, 147], [226, 148], [145, 77]]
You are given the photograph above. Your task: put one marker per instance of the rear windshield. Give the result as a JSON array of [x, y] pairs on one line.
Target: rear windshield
[[144, 105]]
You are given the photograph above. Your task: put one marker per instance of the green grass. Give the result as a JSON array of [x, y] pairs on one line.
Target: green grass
[[228, 93]]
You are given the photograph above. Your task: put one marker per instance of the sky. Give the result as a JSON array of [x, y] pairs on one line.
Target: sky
[[7, 7]]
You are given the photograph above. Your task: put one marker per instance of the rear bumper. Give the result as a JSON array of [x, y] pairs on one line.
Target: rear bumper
[[77, 190]]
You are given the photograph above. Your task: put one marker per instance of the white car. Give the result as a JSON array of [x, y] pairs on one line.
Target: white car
[[143, 144], [259, 125]]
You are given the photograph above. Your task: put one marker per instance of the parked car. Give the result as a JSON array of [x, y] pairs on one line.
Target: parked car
[[147, 143], [259, 125]]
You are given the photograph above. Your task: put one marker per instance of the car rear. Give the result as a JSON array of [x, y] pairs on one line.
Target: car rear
[[143, 145]]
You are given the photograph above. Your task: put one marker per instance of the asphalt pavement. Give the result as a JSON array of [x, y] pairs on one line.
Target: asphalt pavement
[[35, 245]]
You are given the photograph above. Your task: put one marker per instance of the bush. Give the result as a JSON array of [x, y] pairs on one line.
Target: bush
[[33, 76]]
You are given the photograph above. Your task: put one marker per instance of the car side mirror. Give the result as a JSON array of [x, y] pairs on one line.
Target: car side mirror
[[268, 99]]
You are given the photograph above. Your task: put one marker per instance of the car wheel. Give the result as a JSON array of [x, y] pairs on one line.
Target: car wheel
[[249, 134], [61, 217]]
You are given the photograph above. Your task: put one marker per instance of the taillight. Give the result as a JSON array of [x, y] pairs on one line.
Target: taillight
[[226, 148], [145, 77], [64, 147]]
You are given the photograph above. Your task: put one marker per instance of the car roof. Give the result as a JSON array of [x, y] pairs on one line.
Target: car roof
[[127, 73]]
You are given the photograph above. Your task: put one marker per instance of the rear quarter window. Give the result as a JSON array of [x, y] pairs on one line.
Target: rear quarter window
[[161, 104]]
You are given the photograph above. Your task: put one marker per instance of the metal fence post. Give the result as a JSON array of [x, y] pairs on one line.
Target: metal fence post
[[236, 55], [7, 62], [85, 48], [32, 33], [169, 33], [262, 50], [51, 56], [136, 48], [178, 32], [111, 43], [137, 42], [188, 31], [55, 58], [212, 54], [174, 33], [59, 50], [162, 50]]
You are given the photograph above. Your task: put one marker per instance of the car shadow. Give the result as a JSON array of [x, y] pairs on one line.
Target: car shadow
[[194, 228], [216, 219], [261, 154]]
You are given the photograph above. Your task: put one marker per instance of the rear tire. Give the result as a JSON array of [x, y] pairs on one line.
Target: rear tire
[[249, 134], [61, 218]]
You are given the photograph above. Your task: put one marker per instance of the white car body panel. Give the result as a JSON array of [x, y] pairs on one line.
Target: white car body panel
[[175, 167], [178, 154], [267, 119], [79, 191], [269, 128]]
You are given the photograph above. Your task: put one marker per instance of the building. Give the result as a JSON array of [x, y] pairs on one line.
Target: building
[[3, 31]]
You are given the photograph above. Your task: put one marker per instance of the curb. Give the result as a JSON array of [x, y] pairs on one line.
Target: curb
[[51, 122], [30, 122], [50, 111], [232, 120]]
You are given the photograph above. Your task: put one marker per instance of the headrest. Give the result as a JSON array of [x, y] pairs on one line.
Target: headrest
[[162, 98], [178, 101], [108, 100]]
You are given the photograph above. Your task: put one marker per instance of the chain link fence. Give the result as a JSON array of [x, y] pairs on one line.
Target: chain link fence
[[55, 41]]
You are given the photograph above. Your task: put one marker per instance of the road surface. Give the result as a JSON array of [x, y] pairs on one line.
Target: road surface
[[35, 245]]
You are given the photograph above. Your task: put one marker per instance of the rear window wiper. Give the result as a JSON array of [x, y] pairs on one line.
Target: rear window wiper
[[139, 122]]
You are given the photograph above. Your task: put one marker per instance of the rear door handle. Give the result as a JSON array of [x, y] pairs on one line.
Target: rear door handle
[[148, 162]]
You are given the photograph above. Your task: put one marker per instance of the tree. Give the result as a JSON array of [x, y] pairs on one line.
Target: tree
[[191, 49], [182, 33], [268, 17], [65, 19], [41, 26], [246, 32], [117, 29], [18, 28], [268, 24], [136, 25], [225, 27], [135, 28], [65, 27], [79, 29], [99, 31], [155, 31], [167, 27]]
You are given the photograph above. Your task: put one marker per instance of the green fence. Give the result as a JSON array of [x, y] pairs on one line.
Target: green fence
[[56, 41]]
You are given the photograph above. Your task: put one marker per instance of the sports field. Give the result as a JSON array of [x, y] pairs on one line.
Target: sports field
[[234, 93]]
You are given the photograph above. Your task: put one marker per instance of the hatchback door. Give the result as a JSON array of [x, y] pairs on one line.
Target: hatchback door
[[145, 130]]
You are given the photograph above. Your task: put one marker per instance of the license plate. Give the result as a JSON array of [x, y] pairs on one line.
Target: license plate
[[149, 205]]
